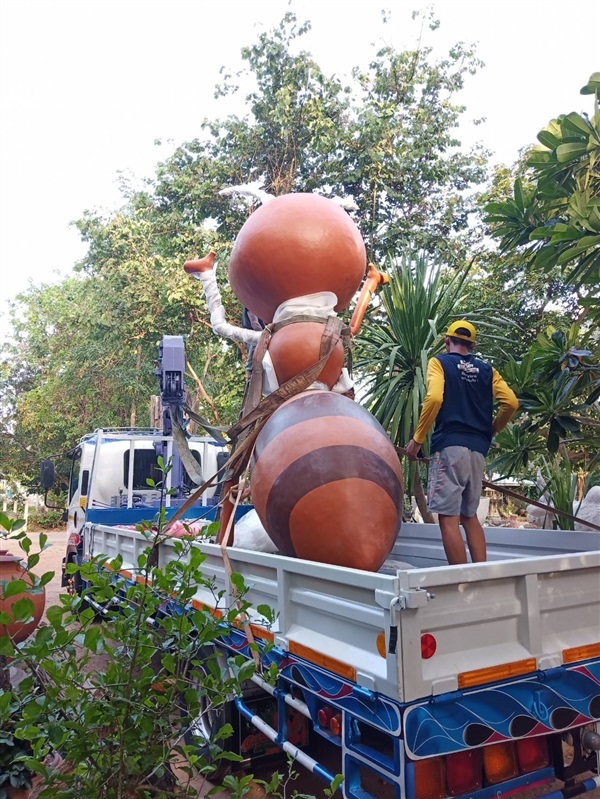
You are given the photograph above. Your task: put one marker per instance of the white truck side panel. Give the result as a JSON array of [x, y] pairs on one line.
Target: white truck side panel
[[481, 615]]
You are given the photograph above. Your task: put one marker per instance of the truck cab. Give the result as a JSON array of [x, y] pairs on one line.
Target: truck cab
[[109, 474]]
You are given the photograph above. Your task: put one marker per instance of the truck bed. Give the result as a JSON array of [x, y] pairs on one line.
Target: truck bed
[[532, 606]]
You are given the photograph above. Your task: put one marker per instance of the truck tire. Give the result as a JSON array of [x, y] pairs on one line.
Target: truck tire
[[203, 727]]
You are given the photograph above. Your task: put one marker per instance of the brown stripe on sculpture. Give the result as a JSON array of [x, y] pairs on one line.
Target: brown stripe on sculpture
[[298, 440], [301, 439], [370, 516], [312, 405], [334, 467]]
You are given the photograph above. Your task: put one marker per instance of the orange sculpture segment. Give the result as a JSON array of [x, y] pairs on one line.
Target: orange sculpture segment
[[295, 245], [297, 347]]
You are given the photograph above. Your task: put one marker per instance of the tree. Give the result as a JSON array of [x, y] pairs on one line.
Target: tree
[[83, 352], [386, 140], [558, 385], [553, 218], [534, 299]]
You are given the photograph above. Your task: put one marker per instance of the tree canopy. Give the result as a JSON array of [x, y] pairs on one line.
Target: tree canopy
[[82, 352]]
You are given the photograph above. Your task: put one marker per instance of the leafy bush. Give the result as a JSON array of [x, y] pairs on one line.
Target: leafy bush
[[46, 519], [13, 770], [120, 728]]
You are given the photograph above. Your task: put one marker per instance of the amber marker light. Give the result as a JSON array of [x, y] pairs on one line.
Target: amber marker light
[[581, 653], [320, 659], [500, 762], [429, 778], [467, 679]]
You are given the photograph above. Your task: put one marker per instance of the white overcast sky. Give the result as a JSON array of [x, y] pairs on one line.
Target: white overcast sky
[[87, 86]]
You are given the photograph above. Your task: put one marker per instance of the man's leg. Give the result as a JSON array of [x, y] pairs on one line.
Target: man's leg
[[475, 538], [469, 505], [454, 546]]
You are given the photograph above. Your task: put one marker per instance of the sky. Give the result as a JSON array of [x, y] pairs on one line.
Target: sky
[[88, 86]]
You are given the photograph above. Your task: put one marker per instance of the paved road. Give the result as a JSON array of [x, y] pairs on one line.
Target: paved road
[[51, 560]]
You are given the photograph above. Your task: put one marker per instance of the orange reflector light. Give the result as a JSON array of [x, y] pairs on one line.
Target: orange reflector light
[[532, 754], [428, 646], [464, 772], [581, 653], [429, 778], [500, 762], [467, 679], [380, 642], [335, 724], [320, 659]]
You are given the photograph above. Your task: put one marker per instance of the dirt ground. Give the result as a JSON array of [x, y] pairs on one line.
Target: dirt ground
[[51, 560]]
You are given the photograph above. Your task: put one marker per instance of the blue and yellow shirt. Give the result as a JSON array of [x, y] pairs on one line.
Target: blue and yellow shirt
[[461, 390]]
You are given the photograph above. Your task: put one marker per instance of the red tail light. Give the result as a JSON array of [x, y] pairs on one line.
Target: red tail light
[[324, 716], [464, 772], [532, 754]]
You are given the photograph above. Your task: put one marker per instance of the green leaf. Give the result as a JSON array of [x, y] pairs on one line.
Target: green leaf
[[6, 647], [92, 638], [13, 587], [55, 614], [548, 139], [577, 123], [22, 609], [570, 151]]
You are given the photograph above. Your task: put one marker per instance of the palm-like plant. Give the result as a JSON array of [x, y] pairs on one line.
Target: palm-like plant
[[400, 336], [558, 385]]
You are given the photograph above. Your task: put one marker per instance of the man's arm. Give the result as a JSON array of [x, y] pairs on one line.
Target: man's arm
[[431, 406], [507, 399]]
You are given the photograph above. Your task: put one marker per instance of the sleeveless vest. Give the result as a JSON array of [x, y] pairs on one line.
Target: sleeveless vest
[[466, 416]]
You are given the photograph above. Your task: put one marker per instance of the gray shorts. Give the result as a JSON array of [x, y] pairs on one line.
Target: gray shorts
[[455, 478]]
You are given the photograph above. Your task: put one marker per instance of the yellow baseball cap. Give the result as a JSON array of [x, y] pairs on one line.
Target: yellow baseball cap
[[462, 329]]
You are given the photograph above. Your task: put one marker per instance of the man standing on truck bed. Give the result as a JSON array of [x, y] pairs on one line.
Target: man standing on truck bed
[[461, 391]]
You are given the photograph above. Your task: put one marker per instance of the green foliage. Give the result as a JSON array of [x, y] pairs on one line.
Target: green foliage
[[558, 385], [117, 697], [560, 488], [13, 753], [400, 337], [10, 526], [119, 727], [82, 352], [553, 219], [386, 139], [46, 519]]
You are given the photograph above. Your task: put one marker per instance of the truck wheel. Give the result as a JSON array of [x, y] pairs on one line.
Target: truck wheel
[[210, 719]]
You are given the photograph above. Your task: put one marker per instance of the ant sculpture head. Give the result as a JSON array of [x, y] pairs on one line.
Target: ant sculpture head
[[296, 245]]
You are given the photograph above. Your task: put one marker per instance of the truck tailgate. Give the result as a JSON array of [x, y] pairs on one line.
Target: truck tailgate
[[512, 616]]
